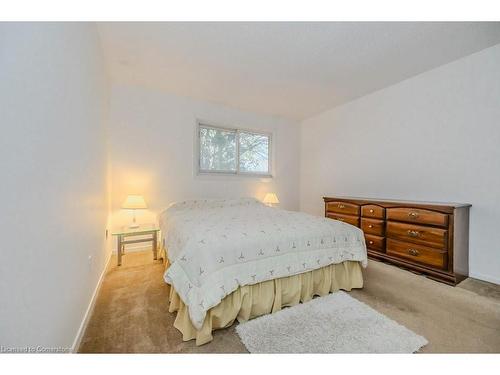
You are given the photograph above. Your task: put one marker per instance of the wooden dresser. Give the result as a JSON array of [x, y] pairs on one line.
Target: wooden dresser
[[424, 237]]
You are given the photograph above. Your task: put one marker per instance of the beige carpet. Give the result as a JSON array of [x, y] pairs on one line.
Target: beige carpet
[[131, 314]]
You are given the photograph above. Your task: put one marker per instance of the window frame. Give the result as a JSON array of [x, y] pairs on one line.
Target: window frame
[[205, 124]]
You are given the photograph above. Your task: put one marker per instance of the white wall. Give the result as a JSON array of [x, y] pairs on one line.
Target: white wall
[[53, 100], [152, 140], [432, 137]]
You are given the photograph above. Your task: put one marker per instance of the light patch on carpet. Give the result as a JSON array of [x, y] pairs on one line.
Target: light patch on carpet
[[336, 323]]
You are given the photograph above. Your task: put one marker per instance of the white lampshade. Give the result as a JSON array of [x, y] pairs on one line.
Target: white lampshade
[[134, 202], [271, 198]]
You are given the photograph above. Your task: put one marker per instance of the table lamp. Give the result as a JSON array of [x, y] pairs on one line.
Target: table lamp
[[134, 202], [271, 199]]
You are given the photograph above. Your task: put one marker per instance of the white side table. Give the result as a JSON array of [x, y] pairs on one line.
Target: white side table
[[144, 230]]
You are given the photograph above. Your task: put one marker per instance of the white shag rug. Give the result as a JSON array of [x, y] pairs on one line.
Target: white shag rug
[[336, 323]]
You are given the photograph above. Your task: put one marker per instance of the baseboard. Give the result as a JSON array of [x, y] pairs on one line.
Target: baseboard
[[90, 309], [490, 279]]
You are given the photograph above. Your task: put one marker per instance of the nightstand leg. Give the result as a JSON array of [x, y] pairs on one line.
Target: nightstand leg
[[119, 250], [155, 245]]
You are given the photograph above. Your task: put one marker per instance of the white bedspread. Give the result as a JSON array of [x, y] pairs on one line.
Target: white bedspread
[[215, 246]]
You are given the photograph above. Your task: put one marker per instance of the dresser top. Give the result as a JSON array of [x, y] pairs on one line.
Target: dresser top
[[397, 201]]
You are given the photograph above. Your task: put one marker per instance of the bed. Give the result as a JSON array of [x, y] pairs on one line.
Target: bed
[[230, 260]]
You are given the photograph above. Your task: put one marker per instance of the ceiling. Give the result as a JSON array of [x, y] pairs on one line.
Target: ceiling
[[293, 70]]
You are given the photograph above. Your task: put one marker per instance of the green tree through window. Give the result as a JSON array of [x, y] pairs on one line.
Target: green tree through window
[[233, 151]]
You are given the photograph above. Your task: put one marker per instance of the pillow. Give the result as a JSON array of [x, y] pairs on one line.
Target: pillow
[[212, 203]]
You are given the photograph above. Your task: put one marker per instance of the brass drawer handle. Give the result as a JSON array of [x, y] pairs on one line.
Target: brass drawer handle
[[370, 226], [413, 252], [413, 233], [370, 242], [341, 206], [371, 211], [413, 214]]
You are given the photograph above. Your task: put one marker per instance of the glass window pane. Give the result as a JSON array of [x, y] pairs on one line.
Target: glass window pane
[[254, 153], [217, 150]]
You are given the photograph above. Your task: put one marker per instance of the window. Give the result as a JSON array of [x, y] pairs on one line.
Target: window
[[233, 151]]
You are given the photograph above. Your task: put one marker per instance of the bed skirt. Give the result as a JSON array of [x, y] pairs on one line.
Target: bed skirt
[[250, 301]]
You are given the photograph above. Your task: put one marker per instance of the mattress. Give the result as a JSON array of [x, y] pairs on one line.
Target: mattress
[[218, 246]]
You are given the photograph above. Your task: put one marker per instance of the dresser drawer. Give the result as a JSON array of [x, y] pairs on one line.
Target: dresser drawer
[[417, 215], [349, 219], [374, 242], [343, 208], [425, 237], [372, 226], [429, 236], [373, 211], [417, 253]]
